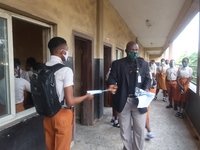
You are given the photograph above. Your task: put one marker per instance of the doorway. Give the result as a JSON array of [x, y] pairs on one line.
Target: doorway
[[83, 78], [107, 65]]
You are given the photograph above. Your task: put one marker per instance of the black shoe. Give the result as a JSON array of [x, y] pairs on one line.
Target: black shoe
[[155, 98], [169, 106], [181, 116], [175, 108], [177, 114], [116, 125]]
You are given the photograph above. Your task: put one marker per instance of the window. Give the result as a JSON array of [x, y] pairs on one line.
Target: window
[[4, 69], [13, 43], [119, 54]]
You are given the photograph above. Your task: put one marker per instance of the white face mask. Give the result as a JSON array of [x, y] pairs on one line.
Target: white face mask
[[66, 55]]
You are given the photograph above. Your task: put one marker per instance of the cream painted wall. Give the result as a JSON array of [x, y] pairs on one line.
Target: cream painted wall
[[68, 15], [116, 32], [75, 15]]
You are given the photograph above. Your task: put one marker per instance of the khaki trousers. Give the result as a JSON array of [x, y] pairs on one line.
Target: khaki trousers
[[132, 140], [58, 130]]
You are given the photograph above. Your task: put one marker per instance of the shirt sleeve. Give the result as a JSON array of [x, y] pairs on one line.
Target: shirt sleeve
[[27, 85], [68, 79]]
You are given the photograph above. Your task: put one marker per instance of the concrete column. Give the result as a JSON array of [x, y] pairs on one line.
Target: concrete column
[[99, 37], [171, 51]]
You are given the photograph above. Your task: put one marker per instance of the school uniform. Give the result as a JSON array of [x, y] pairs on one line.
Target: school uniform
[[152, 69], [21, 85], [171, 76], [183, 75], [58, 129], [24, 75], [161, 77]]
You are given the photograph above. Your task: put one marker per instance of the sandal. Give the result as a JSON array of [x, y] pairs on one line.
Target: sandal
[[177, 114], [116, 125], [181, 116]]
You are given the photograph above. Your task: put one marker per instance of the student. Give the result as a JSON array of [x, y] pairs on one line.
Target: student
[[171, 83], [183, 79], [114, 119], [161, 79], [58, 129], [22, 73], [21, 87]]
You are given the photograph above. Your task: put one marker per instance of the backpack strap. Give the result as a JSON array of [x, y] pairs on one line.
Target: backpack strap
[[56, 67]]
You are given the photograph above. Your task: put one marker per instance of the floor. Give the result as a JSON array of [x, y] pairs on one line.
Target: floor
[[171, 133]]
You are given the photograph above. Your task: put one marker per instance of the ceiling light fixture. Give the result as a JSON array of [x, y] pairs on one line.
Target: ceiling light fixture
[[148, 24]]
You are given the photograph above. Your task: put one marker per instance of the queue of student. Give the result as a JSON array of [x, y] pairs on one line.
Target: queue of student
[[174, 83]]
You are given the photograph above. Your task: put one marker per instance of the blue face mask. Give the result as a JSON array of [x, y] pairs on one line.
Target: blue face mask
[[16, 75], [162, 63], [185, 64], [18, 68], [132, 55]]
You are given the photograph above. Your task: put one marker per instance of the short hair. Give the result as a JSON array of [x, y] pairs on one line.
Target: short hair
[[130, 44], [17, 61], [55, 42], [31, 61], [186, 59]]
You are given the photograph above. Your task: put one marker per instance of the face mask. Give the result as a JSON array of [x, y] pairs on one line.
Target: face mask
[[132, 55], [18, 68], [162, 63], [16, 75], [66, 55], [185, 64]]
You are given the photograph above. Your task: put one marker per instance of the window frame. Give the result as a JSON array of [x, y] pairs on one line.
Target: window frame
[[14, 117]]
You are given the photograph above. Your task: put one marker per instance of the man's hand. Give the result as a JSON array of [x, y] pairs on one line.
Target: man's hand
[[113, 88]]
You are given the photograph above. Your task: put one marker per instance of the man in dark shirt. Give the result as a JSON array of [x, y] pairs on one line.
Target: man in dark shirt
[[127, 74]]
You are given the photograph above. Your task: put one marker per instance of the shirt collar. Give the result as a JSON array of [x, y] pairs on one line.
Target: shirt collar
[[56, 58]]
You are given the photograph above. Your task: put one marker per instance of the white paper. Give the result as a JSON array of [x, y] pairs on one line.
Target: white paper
[[145, 99], [92, 92]]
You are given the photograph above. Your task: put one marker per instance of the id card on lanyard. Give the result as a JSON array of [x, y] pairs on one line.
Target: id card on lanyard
[[139, 76]]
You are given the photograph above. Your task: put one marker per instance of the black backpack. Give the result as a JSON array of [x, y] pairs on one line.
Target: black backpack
[[43, 90]]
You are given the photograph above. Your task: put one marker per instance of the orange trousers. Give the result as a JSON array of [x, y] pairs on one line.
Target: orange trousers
[[58, 130]]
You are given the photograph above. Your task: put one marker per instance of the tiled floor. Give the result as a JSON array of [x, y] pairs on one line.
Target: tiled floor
[[171, 133]]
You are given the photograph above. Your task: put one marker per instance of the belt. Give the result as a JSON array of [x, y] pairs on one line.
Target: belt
[[131, 95], [171, 80], [66, 107]]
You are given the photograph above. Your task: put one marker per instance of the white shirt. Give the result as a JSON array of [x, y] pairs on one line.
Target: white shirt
[[24, 75], [152, 68], [185, 72], [159, 69], [171, 73], [21, 85], [64, 76]]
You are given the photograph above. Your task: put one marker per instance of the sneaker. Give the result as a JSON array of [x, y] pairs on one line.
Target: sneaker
[[149, 136], [112, 121], [116, 125], [155, 98], [164, 99]]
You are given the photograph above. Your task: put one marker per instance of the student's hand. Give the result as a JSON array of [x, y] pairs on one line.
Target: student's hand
[[113, 88], [89, 97]]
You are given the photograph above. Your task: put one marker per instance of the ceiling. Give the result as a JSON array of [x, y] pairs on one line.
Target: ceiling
[[155, 23]]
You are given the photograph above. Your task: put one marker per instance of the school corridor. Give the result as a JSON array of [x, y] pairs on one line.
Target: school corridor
[[171, 133]]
